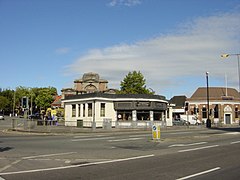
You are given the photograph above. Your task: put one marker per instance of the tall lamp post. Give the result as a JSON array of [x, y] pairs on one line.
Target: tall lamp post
[[208, 122], [226, 56]]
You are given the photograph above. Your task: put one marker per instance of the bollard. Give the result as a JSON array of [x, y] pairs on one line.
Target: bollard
[[156, 133]]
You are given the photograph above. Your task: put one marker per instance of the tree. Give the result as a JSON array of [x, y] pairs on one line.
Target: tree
[[45, 97], [4, 103], [6, 100], [134, 83]]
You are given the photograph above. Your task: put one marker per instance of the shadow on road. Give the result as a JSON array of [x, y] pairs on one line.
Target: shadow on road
[[228, 129], [2, 149]]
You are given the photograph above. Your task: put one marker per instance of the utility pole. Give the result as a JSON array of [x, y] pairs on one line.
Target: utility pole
[[14, 101], [208, 123]]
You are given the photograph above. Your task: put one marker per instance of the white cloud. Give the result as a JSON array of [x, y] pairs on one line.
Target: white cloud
[[124, 3], [63, 50], [175, 61]]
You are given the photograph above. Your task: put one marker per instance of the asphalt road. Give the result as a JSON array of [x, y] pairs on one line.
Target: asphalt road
[[186, 154]]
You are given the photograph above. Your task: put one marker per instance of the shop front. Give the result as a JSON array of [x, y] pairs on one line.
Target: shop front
[[140, 113]]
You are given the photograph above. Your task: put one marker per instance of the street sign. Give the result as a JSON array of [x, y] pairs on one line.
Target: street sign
[[156, 134]]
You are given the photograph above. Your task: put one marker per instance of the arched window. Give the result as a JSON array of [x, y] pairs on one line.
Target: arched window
[[90, 88]]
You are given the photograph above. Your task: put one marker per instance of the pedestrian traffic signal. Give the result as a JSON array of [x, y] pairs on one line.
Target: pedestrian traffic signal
[[186, 106], [24, 102]]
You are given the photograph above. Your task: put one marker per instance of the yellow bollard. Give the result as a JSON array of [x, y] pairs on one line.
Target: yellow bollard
[[156, 133]]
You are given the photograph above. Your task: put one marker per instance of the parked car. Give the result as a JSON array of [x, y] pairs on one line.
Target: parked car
[[1, 117], [180, 122]]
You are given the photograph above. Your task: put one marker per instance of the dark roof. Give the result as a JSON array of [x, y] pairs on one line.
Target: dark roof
[[216, 93], [105, 95], [179, 101]]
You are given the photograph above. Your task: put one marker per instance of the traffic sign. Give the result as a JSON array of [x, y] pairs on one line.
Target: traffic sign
[[156, 134]]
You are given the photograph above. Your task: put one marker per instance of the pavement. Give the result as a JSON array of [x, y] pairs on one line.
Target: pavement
[[19, 125]]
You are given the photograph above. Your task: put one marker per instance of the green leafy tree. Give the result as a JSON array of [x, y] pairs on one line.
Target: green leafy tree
[[45, 97], [38, 98], [134, 83], [4, 103], [6, 100]]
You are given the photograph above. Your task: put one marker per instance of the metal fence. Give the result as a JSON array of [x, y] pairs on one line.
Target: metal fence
[[31, 124]]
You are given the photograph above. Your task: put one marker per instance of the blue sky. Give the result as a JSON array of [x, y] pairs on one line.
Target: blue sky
[[172, 42]]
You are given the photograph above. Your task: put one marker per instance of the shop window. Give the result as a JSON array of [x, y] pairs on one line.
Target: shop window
[[89, 109], [157, 116], [102, 110], [73, 110], [143, 115], [124, 115]]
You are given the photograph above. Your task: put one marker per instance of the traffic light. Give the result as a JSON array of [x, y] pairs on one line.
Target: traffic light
[[24, 102], [186, 106]]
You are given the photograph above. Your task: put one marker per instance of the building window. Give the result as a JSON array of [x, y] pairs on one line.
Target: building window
[[102, 110], [204, 112], [195, 110], [84, 110], [143, 115], [89, 109], [157, 115], [236, 112], [124, 115], [73, 110], [79, 110], [216, 113]]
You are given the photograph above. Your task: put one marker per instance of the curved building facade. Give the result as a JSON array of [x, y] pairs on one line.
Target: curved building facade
[[120, 110]]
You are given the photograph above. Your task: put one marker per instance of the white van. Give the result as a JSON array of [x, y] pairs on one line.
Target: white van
[[191, 119]]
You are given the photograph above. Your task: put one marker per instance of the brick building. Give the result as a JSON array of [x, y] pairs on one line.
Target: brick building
[[224, 105]]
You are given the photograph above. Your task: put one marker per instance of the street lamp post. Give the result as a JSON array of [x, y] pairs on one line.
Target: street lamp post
[[208, 122], [226, 56]]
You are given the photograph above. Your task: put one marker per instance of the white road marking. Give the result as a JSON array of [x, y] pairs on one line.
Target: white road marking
[[184, 145], [9, 165], [80, 165], [46, 155], [84, 136], [195, 149], [232, 133], [1, 178], [235, 142], [128, 139], [41, 159], [32, 157], [92, 139], [200, 173]]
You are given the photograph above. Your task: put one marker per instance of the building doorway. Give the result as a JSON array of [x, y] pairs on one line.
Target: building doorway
[[227, 118]]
